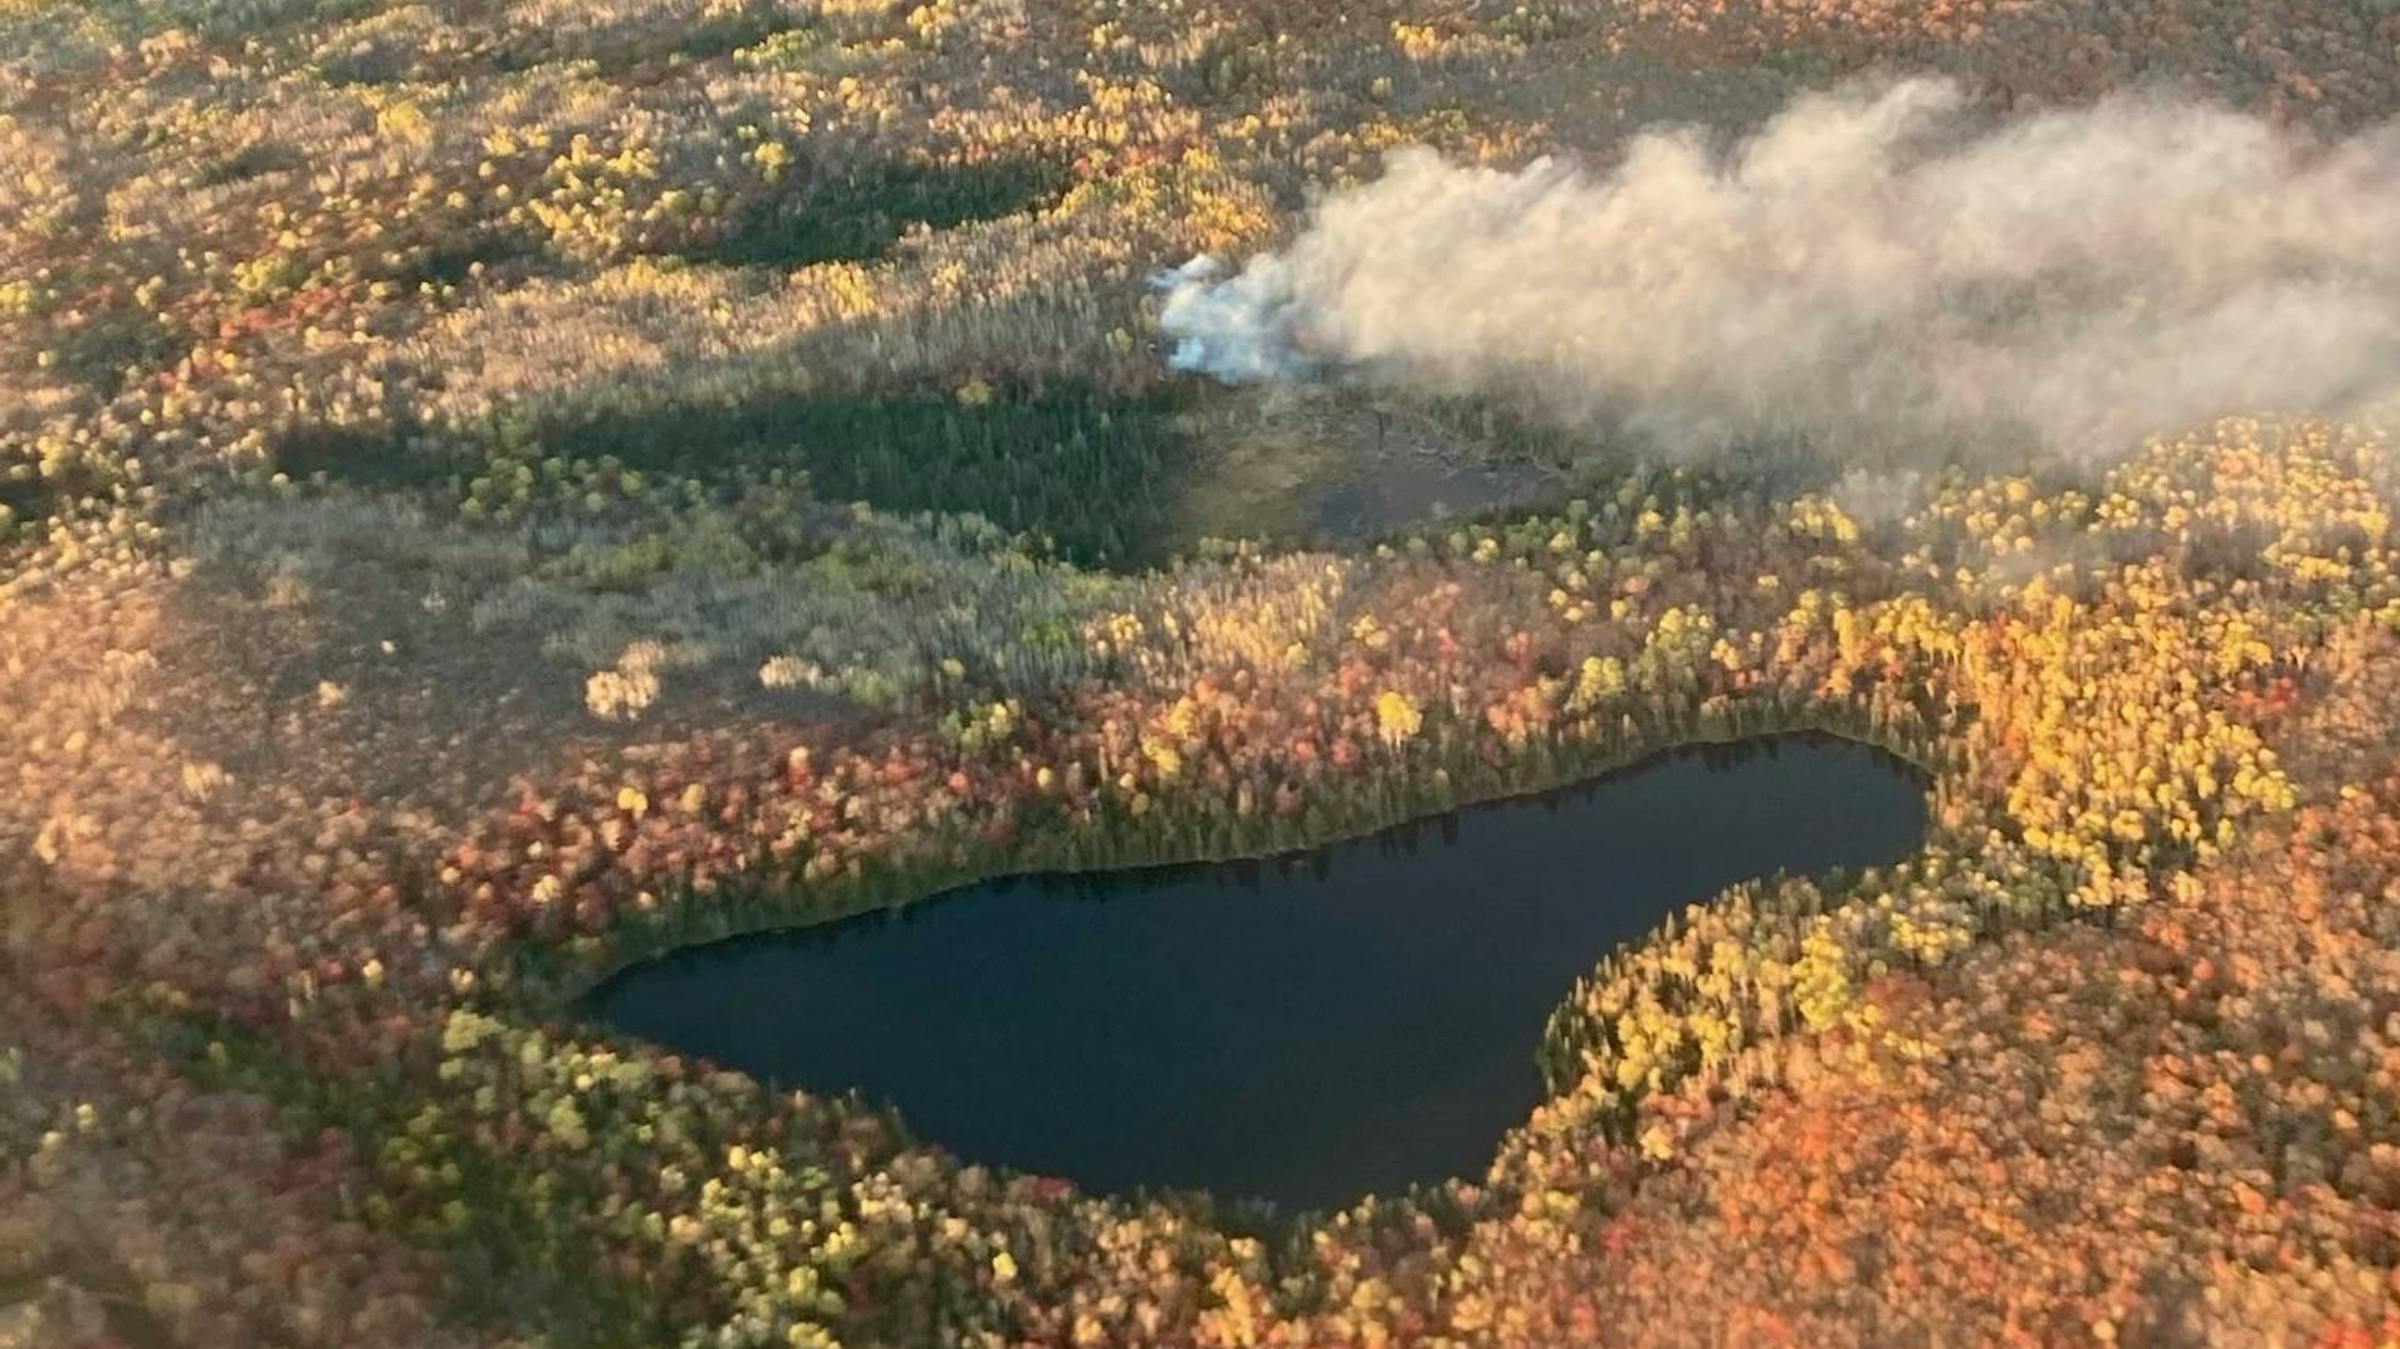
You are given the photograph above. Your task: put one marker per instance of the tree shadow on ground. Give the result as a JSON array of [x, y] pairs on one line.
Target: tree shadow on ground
[[856, 215], [1097, 471]]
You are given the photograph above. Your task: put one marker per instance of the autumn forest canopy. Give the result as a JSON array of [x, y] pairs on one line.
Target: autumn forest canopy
[[496, 491]]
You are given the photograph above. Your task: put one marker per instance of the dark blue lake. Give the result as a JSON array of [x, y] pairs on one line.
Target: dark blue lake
[[1305, 1029]]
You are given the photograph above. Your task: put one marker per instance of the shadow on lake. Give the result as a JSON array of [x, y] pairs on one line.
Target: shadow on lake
[[1303, 1029]]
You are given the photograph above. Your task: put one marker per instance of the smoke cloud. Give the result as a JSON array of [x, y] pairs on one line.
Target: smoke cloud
[[1875, 270]]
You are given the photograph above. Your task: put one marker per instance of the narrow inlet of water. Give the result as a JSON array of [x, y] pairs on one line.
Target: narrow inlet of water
[[1306, 1029]]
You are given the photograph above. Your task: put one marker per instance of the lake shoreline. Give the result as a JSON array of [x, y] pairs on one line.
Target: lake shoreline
[[563, 980], [1355, 1018], [1282, 860]]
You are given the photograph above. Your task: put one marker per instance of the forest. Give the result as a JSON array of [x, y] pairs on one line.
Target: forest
[[493, 490]]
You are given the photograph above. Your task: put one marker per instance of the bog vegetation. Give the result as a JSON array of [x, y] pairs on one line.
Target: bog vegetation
[[497, 489]]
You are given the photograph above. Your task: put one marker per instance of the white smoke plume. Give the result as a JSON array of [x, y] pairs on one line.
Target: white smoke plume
[[1876, 268]]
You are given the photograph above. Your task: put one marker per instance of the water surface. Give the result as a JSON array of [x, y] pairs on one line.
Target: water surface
[[1306, 1029]]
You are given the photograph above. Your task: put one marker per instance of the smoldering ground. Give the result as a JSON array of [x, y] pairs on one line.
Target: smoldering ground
[[1879, 272]]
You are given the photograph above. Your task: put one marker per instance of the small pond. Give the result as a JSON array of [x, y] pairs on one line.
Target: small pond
[[1305, 1029]]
